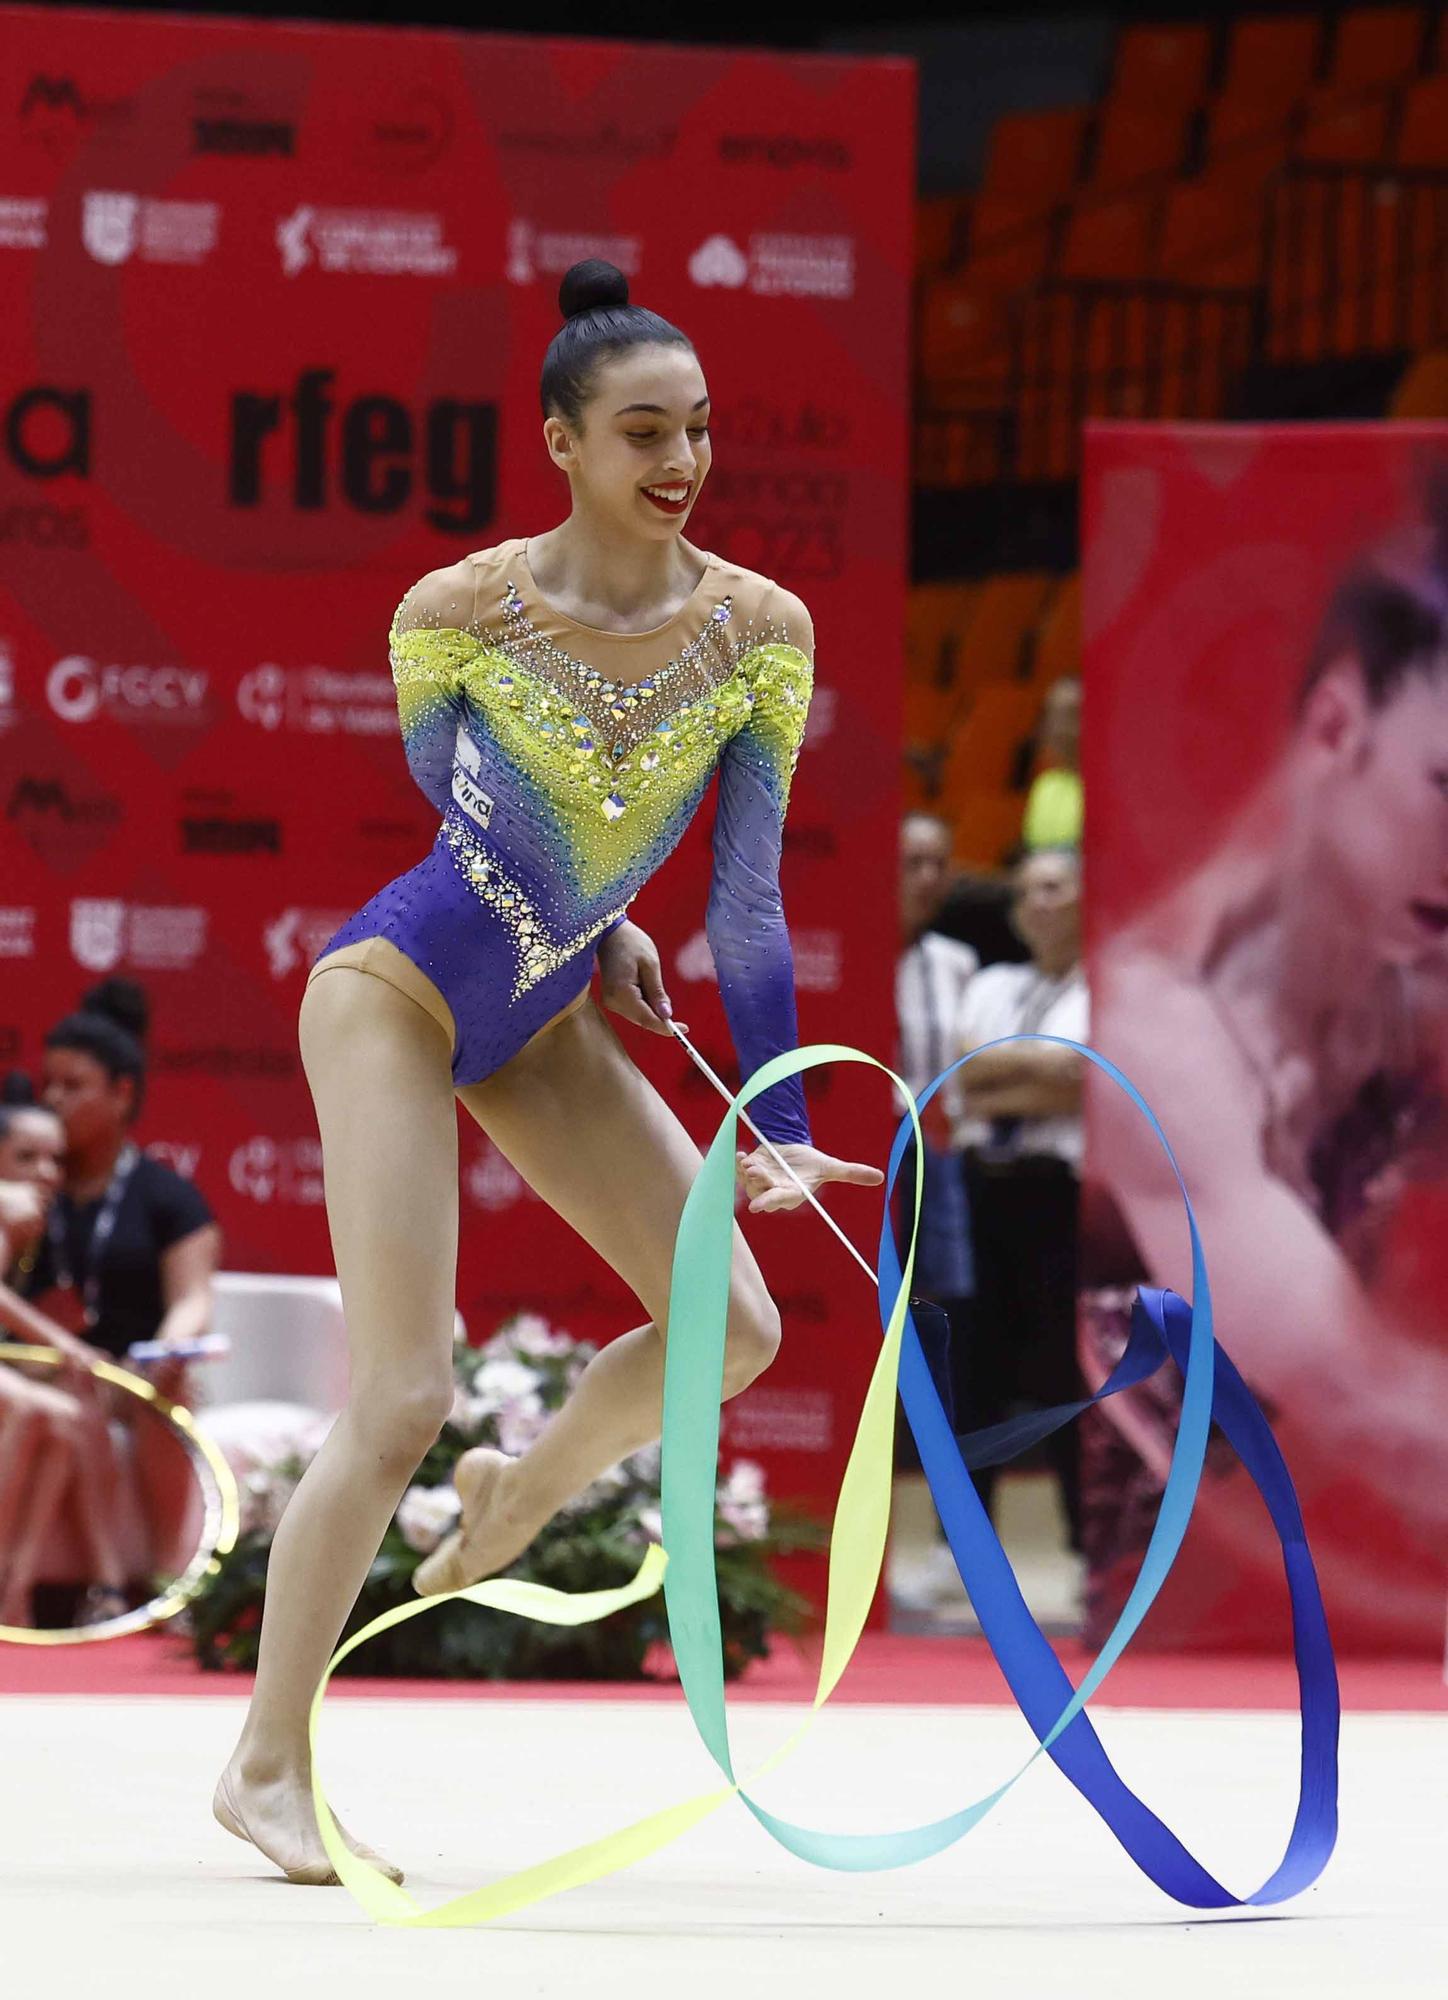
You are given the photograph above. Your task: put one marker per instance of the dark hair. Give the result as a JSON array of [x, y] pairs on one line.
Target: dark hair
[[1390, 613], [17, 1096], [598, 322], [110, 1027]]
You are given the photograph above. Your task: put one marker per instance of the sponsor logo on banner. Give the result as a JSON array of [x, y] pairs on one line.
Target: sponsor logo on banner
[[319, 701], [533, 252], [220, 835], [244, 138], [410, 131], [115, 227], [23, 221], [45, 430], [56, 113], [59, 821], [79, 689], [816, 843], [378, 456], [783, 149], [286, 1170], [17, 933], [777, 265], [818, 958], [182, 1156], [296, 937], [7, 686], [694, 960], [493, 1183], [151, 937], [782, 519], [375, 241], [753, 423], [590, 142], [786, 1419]]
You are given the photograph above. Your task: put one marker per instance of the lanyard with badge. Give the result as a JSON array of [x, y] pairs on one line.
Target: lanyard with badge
[[88, 1282]]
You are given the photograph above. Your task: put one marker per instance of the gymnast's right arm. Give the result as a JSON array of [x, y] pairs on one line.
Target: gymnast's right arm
[[433, 639]]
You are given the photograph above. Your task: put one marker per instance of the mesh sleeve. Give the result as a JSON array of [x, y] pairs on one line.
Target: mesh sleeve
[[744, 920]]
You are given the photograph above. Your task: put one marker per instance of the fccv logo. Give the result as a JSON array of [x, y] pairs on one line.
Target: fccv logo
[[374, 450]]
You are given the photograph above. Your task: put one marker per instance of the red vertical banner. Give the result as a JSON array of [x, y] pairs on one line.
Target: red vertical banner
[[1266, 623], [278, 296]]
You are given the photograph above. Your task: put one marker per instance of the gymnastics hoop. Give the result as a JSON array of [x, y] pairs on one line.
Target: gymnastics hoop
[[220, 1522]]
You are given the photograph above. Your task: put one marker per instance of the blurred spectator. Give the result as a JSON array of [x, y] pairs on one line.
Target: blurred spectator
[[54, 1442], [931, 975], [1054, 809], [1022, 1143], [131, 1246]]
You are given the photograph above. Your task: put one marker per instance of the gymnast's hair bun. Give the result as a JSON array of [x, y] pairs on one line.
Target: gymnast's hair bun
[[591, 286], [123, 1002]]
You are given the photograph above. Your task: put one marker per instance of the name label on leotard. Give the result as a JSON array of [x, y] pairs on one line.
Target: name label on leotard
[[466, 791]]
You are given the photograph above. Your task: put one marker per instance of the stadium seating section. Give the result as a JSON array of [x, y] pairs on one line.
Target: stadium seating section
[[1269, 190]]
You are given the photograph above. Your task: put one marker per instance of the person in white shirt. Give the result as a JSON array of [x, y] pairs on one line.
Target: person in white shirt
[[931, 976], [1020, 1137]]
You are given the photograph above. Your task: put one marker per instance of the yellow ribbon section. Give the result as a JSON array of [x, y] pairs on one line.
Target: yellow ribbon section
[[857, 1550]]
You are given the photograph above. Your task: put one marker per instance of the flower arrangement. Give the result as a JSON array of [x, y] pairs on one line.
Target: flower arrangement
[[504, 1393]]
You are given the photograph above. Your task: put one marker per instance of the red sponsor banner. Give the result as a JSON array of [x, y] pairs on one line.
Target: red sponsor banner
[[277, 300], [1267, 767]]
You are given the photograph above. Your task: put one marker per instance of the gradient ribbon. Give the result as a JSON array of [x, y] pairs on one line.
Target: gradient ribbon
[[693, 1377]]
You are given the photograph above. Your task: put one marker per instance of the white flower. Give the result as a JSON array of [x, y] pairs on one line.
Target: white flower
[[425, 1514], [504, 1380], [264, 1496], [519, 1424], [749, 1519], [644, 1464], [652, 1523], [745, 1482], [531, 1335]]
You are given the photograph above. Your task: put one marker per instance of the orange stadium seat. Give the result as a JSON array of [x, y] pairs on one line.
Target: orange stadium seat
[[1010, 241], [989, 739], [1422, 391], [1350, 132], [1035, 154], [1271, 61], [1058, 648], [942, 230], [987, 827], [964, 330], [1110, 239], [1162, 68], [1376, 45], [934, 612], [1135, 145], [991, 644], [1423, 131], [1208, 237]]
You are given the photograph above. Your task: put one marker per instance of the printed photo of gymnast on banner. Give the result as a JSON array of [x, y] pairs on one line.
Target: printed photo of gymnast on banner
[[1266, 631]]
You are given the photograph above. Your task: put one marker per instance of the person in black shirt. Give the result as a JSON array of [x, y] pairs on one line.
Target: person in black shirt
[[131, 1247]]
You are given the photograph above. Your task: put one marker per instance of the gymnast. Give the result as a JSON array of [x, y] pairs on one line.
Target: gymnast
[[564, 699]]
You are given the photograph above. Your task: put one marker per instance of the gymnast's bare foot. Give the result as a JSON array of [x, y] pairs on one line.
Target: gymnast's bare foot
[[277, 1816], [494, 1529]]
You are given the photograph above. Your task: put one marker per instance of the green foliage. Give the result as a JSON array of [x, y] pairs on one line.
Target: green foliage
[[506, 1390]]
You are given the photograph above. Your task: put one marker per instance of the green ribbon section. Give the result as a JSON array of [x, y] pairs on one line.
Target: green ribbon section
[[693, 1380]]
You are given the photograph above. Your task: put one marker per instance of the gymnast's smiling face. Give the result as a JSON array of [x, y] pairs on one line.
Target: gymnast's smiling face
[[644, 431]]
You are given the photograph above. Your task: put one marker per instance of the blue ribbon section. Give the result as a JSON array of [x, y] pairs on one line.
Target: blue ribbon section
[[1162, 1324]]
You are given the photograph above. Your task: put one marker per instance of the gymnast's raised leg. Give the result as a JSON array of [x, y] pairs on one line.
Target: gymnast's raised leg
[[596, 1141]]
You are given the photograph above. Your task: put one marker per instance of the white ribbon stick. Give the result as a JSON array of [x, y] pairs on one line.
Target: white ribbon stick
[[728, 1096]]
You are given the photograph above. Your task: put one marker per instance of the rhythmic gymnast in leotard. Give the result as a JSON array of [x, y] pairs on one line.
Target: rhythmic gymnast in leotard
[[564, 702]]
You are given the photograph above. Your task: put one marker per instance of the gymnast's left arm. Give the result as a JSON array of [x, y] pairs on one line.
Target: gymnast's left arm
[[744, 920]]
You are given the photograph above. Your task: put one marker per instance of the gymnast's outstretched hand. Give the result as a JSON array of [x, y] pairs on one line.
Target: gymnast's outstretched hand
[[631, 982], [769, 1187]]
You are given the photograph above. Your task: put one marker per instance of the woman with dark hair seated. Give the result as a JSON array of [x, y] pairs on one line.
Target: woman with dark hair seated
[[54, 1443]]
